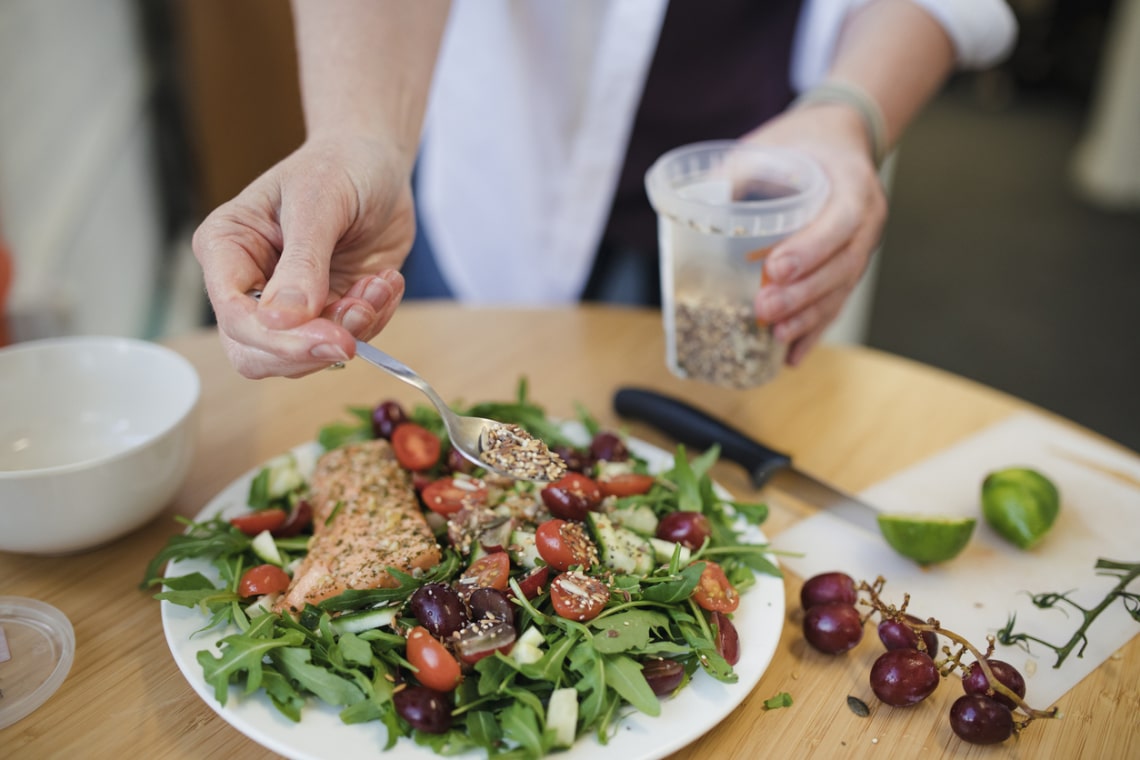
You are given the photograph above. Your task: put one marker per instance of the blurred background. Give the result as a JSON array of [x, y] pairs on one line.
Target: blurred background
[[1012, 254]]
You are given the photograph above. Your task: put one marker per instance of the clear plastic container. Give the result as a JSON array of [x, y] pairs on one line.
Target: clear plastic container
[[721, 206]]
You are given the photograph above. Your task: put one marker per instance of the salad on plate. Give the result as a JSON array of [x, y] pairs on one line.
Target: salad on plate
[[377, 573]]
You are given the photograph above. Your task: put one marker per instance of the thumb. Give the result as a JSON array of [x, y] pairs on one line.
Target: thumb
[[297, 292]]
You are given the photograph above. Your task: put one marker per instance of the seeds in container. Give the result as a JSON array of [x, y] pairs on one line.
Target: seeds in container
[[509, 448], [719, 341]]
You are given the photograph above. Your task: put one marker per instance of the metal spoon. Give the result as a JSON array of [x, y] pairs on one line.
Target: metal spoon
[[471, 436]]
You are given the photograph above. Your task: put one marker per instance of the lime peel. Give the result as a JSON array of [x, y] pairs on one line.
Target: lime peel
[[927, 539]]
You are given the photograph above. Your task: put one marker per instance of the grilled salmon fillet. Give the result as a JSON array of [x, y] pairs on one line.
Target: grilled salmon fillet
[[366, 518]]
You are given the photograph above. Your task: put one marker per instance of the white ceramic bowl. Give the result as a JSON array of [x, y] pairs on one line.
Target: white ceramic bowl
[[96, 436]]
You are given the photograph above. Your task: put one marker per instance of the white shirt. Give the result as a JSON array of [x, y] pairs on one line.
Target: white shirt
[[530, 112]]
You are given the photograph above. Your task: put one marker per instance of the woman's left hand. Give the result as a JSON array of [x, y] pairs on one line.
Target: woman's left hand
[[809, 275]]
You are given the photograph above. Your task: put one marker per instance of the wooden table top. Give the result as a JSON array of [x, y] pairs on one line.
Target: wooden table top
[[850, 415]]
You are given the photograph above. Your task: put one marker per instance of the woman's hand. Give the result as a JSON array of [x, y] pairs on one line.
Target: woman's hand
[[809, 275], [321, 234]]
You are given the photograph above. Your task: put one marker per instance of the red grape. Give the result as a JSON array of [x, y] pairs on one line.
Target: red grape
[[833, 627], [425, 709], [974, 681], [689, 529], [896, 634], [826, 588], [386, 416], [980, 720], [903, 677], [663, 675]]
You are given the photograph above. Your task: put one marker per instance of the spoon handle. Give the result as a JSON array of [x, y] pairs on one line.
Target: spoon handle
[[394, 366]]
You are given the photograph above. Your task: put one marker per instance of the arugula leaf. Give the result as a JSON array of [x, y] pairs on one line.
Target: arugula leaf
[[296, 663], [241, 653], [623, 675], [626, 631], [355, 599], [210, 539], [520, 725]]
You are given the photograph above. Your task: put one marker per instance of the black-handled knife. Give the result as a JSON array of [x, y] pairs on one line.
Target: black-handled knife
[[696, 428]]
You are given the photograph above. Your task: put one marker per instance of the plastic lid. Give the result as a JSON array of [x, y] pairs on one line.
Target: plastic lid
[[736, 189], [37, 647]]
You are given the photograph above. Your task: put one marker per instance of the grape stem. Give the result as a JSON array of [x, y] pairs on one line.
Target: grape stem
[[1125, 571], [953, 658]]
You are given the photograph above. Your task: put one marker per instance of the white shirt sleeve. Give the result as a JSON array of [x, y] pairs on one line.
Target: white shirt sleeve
[[983, 33]]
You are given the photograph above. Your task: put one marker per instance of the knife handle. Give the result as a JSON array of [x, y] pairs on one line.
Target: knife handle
[[696, 428]]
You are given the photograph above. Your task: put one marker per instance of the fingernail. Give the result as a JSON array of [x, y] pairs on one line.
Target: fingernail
[[377, 291], [356, 320], [288, 300], [328, 352]]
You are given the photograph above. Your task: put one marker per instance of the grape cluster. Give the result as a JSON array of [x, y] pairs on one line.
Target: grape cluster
[[992, 707]]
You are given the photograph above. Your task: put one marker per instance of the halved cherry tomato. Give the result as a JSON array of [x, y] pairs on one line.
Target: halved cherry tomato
[[534, 581], [416, 447], [299, 519], [627, 484], [447, 496], [727, 639], [713, 591], [577, 596], [563, 544], [262, 579], [572, 496], [255, 522], [435, 666], [489, 571]]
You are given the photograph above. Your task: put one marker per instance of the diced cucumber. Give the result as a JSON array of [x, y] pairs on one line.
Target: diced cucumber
[[620, 549], [355, 622], [528, 648], [639, 519], [562, 716], [265, 548], [523, 549], [663, 551], [284, 476]]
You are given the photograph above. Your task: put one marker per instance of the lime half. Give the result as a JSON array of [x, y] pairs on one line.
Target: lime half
[[927, 539]]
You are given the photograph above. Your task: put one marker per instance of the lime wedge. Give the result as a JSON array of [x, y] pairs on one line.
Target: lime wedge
[[927, 539]]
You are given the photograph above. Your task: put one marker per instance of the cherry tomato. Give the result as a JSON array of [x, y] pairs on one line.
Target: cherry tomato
[[572, 496], [262, 579], [714, 592], [255, 522], [534, 581], [416, 447], [435, 666], [626, 484], [727, 639], [577, 596], [299, 519], [489, 571], [447, 496], [686, 528], [562, 544]]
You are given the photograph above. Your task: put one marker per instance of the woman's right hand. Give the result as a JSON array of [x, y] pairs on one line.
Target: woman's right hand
[[321, 235]]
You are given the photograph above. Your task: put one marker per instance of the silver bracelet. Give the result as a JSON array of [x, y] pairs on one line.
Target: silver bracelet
[[864, 105]]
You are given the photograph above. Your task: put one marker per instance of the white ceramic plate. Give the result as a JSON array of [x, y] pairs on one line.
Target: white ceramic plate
[[320, 735]]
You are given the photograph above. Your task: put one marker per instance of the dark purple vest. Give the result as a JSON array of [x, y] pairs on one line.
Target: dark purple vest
[[721, 68]]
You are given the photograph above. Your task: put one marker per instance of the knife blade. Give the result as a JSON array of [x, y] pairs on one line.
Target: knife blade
[[697, 428]]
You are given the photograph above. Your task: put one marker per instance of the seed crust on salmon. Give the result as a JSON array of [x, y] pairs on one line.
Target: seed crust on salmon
[[366, 518]]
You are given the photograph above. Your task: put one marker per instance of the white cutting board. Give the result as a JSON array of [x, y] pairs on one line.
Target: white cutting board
[[974, 593]]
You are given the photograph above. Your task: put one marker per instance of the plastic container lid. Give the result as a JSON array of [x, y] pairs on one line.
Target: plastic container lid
[[36, 652], [737, 189]]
